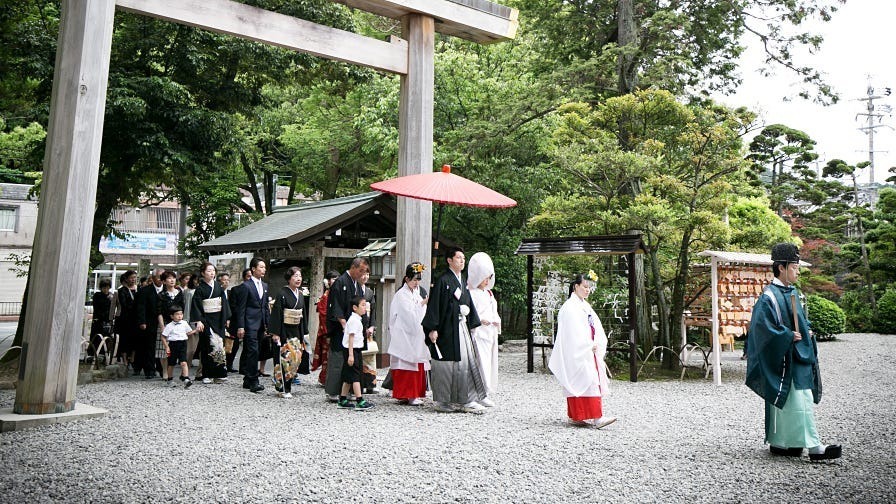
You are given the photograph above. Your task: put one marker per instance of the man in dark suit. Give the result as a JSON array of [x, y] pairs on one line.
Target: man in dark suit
[[339, 309], [252, 315], [147, 301], [456, 379], [233, 299]]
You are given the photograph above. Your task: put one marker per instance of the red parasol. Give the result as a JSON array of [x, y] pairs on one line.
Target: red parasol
[[444, 188]]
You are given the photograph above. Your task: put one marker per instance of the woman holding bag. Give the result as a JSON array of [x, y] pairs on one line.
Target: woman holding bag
[[289, 326]]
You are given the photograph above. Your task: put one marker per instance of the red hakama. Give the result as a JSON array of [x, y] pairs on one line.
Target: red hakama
[[409, 384], [583, 408]]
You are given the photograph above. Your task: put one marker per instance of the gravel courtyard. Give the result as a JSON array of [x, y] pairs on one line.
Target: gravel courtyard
[[674, 442]]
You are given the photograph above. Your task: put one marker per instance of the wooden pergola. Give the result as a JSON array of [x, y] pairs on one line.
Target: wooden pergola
[[627, 245], [48, 365]]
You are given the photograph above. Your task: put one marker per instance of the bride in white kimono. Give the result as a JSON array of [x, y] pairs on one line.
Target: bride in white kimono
[[480, 281], [577, 359]]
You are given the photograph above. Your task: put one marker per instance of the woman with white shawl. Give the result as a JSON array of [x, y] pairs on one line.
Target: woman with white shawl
[[409, 355], [577, 359], [480, 281]]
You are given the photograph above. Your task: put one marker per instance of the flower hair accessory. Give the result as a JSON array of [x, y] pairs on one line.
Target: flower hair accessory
[[418, 267], [591, 276]]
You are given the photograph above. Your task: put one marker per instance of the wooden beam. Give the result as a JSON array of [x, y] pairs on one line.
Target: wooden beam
[[456, 18], [415, 119], [253, 23], [48, 367]]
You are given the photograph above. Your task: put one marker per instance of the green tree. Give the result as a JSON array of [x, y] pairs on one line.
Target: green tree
[[674, 186], [684, 47], [754, 226], [782, 154], [838, 168]]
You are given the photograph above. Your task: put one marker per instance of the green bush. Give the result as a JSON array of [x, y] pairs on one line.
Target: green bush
[[886, 313], [859, 317], [826, 317]]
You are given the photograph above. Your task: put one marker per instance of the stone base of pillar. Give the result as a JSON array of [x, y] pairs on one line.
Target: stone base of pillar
[[10, 421]]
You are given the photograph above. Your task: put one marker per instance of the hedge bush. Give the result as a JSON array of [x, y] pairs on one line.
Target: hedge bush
[[826, 317], [886, 313], [859, 317]]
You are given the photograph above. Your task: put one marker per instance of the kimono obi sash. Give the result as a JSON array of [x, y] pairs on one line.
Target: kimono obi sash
[[212, 305], [292, 316]]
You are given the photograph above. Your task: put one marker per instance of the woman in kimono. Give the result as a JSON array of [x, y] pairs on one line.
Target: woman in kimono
[[408, 352], [288, 327], [480, 281], [210, 312], [577, 359]]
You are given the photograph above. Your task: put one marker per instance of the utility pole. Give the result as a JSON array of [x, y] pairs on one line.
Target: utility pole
[[873, 112]]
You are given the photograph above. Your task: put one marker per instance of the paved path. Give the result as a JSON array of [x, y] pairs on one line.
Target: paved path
[[675, 442]]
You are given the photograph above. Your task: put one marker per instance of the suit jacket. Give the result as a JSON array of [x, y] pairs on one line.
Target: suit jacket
[[147, 301], [339, 306], [233, 296], [252, 312], [443, 314]]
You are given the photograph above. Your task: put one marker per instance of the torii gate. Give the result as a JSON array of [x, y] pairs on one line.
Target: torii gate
[[48, 366]]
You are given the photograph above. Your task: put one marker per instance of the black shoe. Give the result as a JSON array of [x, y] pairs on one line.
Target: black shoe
[[266, 375], [831, 452], [231, 370], [148, 377], [256, 388], [785, 452], [247, 385], [370, 391]]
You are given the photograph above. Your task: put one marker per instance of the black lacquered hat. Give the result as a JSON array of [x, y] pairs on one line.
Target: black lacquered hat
[[785, 252]]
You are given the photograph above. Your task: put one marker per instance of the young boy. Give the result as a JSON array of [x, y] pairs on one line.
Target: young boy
[[353, 342], [174, 336]]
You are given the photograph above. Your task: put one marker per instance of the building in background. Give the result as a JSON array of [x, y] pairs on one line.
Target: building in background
[[18, 221]]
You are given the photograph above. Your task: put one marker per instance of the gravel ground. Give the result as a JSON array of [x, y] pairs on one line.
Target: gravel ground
[[674, 442]]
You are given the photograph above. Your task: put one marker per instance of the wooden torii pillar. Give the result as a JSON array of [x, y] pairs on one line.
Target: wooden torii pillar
[[49, 363]]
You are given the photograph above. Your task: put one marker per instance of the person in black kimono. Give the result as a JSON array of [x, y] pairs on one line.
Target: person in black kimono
[[289, 322], [210, 312], [456, 378], [339, 309]]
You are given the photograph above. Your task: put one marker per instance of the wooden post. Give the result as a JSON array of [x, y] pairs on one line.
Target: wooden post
[[415, 116], [530, 339], [632, 319], [318, 270], [48, 368], [716, 347]]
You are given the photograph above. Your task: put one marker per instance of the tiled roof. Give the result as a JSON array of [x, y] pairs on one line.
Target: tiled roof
[[296, 223]]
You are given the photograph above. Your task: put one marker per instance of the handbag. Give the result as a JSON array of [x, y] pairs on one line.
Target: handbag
[[305, 364]]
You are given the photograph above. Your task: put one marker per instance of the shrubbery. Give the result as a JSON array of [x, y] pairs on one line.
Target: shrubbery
[[826, 317], [886, 313], [859, 317]]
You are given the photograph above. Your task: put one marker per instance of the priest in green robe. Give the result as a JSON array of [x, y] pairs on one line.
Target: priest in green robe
[[782, 363]]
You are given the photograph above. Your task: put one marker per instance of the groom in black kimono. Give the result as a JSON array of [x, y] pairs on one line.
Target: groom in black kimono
[[456, 377]]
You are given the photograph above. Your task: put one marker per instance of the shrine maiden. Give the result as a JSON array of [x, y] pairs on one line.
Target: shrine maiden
[[409, 357], [577, 359]]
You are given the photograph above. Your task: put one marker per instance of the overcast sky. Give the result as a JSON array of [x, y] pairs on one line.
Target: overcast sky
[[859, 43]]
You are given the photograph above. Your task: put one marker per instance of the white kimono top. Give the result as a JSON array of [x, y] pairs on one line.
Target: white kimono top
[[407, 344], [580, 370]]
